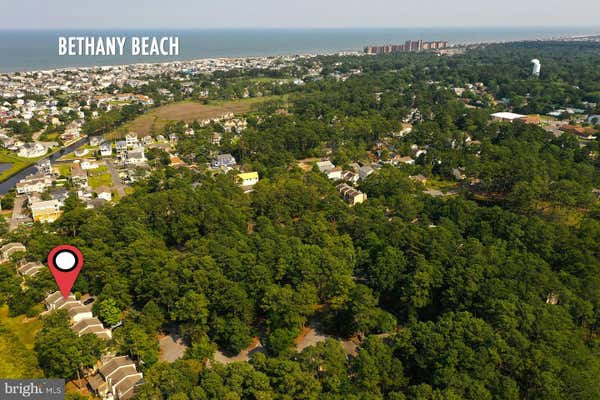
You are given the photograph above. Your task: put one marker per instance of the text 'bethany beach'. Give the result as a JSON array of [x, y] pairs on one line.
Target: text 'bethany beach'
[[118, 45]]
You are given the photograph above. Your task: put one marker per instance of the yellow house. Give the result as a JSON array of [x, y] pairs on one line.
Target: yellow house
[[248, 178], [46, 211]]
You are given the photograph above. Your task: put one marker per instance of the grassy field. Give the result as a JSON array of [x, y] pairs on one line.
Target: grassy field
[[18, 163], [266, 79], [441, 185], [64, 169], [24, 328], [187, 111], [17, 335], [49, 137], [99, 177]]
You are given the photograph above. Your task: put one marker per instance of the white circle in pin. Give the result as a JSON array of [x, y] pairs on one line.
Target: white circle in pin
[[65, 260]]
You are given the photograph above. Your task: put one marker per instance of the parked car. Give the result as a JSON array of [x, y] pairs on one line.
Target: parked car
[[89, 301]]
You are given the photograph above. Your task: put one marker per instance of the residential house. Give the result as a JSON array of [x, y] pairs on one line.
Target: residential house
[[351, 195], [95, 140], [132, 141], [56, 301], [248, 178], [33, 184], [334, 174], [223, 161], [92, 325], [60, 194], [215, 138], [46, 211], [9, 249], [81, 152], [406, 160], [583, 132], [81, 316], [78, 312], [325, 166], [147, 140], [121, 147], [30, 268], [350, 176], [106, 149], [86, 326], [506, 117], [104, 193], [365, 171], [88, 164], [44, 167], [135, 157], [117, 378], [32, 150], [78, 175]]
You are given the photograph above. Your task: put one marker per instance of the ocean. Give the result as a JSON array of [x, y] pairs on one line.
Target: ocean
[[38, 49]]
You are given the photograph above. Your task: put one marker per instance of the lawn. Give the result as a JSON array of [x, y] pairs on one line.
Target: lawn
[[18, 163], [99, 177], [266, 79], [441, 185], [22, 327], [17, 336], [64, 169], [187, 111], [49, 137]]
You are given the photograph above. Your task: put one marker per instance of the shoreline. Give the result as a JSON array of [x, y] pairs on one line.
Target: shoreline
[[358, 52]]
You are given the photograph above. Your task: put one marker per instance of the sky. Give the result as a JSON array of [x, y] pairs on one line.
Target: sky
[[201, 14]]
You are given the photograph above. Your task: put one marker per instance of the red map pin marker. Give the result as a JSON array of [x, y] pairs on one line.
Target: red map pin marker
[[65, 262]]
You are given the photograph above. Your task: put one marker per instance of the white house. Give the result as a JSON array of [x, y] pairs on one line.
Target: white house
[[334, 174], [105, 149], [78, 312], [135, 157], [104, 193], [325, 166], [32, 150], [506, 116], [132, 141], [87, 164]]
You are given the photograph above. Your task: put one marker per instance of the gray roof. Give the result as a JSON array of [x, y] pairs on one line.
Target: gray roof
[[86, 324], [114, 364], [31, 268]]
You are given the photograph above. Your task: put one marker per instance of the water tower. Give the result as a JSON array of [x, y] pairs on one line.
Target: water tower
[[536, 67]]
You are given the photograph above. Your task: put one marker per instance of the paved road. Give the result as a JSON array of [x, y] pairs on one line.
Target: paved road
[[244, 355], [17, 215], [116, 180]]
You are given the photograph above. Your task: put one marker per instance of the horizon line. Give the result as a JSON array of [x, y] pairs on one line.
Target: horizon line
[[460, 27]]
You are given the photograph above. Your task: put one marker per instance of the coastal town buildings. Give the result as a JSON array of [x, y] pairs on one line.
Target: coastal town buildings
[[46, 211], [408, 46], [351, 195]]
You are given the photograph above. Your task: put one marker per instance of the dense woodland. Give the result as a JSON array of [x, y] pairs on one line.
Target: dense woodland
[[447, 295]]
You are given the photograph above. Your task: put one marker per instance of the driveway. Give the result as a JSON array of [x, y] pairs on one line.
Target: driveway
[[17, 215], [244, 355], [172, 348], [116, 180]]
